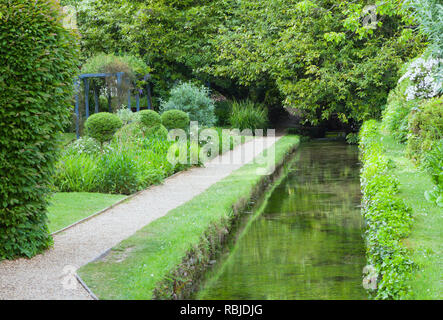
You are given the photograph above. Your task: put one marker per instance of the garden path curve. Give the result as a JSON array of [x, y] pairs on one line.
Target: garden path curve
[[51, 275]]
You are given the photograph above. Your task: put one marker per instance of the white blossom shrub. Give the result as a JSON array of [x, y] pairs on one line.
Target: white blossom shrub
[[424, 84]]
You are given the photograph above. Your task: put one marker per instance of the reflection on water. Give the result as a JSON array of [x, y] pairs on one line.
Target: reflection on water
[[307, 242]]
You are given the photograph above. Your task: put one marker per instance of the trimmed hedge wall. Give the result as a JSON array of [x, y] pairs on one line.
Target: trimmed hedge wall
[[39, 60], [388, 219]]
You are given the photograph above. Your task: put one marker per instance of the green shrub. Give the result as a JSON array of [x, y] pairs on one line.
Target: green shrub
[[149, 118], [395, 116], [158, 131], [77, 172], [129, 133], [175, 119], [125, 115], [193, 100], [222, 112], [85, 145], [352, 138], [248, 115], [102, 126], [425, 127], [388, 219], [118, 172], [433, 163], [39, 60]]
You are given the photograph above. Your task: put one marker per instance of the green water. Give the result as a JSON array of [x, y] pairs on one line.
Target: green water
[[306, 241]]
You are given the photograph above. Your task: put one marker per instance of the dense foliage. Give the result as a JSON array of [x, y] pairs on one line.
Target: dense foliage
[[194, 100], [175, 119], [39, 60], [314, 57], [117, 168], [102, 126], [248, 115], [387, 218]]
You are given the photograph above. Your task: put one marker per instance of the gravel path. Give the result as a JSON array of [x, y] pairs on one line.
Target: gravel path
[[52, 275]]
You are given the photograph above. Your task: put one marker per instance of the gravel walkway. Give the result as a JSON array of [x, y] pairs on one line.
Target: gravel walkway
[[52, 275]]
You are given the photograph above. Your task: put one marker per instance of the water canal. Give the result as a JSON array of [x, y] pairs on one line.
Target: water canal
[[305, 242]]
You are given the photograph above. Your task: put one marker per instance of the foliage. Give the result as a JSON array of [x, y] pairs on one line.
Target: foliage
[[85, 145], [222, 112], [77, 172], [287, 42], [39, 59], [123, 166], [427, 14], [128, 133], [125, 115], [352, 138], [388, 219], [175, 119], [421, 75], [425, 127], [102, 63], [158, 131], [149, 118], [248, 115], [193, 100], [103, 125], [433, 162], [395, 116]]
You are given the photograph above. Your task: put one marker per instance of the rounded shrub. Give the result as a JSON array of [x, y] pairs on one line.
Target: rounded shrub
[[149, 118], [158, 131], [129, 133], [175, 119], [193, 100], [102, 126], [39, 60]]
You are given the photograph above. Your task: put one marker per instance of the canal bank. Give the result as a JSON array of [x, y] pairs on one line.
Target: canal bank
[[305, 242], [166, 259]]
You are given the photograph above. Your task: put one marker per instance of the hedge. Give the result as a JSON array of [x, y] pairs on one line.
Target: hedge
[[39, 60], [387, 218]]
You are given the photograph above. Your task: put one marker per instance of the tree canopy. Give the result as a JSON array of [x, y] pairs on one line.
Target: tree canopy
[[317, 58]]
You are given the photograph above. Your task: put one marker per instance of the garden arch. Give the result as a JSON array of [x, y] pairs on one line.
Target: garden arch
[[119, 76]]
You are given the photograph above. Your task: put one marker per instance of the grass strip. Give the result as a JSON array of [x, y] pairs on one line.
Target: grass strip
[[164, 259], [426, 238], [69, 207]]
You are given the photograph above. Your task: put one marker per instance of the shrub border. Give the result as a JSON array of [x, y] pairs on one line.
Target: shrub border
[[388, 218]]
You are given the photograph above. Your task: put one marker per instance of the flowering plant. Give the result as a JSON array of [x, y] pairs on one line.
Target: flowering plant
[[423, 83]]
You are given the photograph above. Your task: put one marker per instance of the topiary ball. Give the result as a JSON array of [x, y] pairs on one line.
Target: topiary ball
[[175, 119], [102, 126], [149, 118], [158, 131]]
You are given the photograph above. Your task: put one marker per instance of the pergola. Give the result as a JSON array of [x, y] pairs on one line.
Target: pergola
[[119, 76]]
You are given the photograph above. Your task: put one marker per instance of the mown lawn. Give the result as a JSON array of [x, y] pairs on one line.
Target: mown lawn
[[426, 238], [69, 207]]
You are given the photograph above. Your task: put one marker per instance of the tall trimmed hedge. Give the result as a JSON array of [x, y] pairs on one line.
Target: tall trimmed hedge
[[39, 60]]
